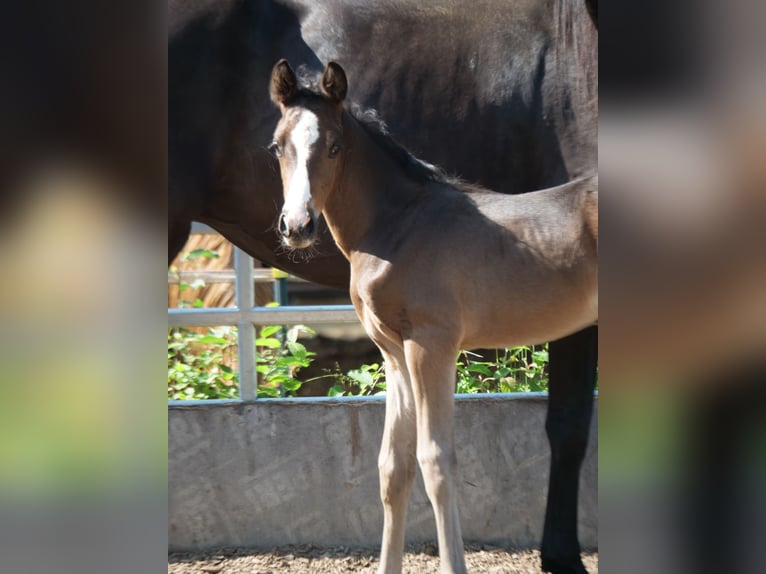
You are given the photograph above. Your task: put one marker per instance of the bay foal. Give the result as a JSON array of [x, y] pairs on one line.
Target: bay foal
[[436, 266]]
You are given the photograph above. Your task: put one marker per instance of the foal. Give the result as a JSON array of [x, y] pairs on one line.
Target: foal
[[436, 266]]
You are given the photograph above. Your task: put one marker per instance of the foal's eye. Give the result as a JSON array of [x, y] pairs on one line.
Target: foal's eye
[[274, 149], [334, 150]]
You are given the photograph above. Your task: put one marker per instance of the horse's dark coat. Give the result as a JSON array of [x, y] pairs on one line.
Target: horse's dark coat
[[500, 93], [83, 82], [503, 95]]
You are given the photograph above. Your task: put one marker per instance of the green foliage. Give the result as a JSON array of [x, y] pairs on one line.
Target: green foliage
[[197, 367], [279, 358], [183, 286], [201, 253], [196, 284], [202, 366], [520, 369], [196, 304], [365, 381]]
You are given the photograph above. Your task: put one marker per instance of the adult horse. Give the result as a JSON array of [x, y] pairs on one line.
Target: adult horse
[[501, 93]]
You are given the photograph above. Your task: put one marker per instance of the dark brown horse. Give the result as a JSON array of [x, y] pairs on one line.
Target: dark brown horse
[[409, 234], [503, 94]]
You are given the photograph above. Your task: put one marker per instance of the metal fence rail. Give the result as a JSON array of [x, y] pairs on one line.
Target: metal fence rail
[[246, 316], [223, 276]]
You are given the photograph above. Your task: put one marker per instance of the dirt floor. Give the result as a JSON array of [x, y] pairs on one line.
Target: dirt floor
[[421, 559]]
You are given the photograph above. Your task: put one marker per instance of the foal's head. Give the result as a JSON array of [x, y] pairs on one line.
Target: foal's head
[[307, 143]]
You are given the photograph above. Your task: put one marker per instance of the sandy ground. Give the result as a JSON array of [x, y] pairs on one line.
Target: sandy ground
[[421, 559]]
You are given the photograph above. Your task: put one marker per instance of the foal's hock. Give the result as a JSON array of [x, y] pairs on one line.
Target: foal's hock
[[436, 265]]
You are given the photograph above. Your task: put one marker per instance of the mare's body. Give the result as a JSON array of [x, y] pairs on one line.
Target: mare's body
[[435, 266], [503, 94]]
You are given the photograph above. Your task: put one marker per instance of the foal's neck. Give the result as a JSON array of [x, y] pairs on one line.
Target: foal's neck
[[372, 188]]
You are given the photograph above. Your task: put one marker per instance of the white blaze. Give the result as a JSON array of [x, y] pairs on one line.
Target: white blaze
[[303, 136]]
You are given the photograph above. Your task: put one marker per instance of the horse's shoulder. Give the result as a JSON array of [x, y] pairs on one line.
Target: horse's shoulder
[[370, 273]]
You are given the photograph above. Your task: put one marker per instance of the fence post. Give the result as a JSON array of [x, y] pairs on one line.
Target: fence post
[[245, 297], [280, 286], [246, 315]]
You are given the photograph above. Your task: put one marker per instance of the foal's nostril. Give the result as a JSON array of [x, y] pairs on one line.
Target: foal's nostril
[[308, 228], [282, 225]]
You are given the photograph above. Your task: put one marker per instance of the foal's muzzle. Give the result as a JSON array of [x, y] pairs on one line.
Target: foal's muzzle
[[298, 232]]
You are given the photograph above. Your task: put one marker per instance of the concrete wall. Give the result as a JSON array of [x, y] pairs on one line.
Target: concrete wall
[[302, 471]]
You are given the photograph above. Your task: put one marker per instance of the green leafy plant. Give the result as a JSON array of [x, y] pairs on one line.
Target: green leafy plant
[[520, 369], [203, 366], [201, 253], [280, 356], [192, 255], [196, 304], [199, 365], [366, 380]]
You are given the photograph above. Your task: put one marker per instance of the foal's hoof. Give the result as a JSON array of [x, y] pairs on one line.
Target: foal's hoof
[[561, 567]]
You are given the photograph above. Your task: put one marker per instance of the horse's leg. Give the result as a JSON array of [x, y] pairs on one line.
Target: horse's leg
[[178, 234], [431, 363], [570, 406], [396, 462], [189, 183]]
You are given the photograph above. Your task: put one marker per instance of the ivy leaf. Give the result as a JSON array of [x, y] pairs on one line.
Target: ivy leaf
[[502, 372], [336, 391], [268, 342], [291, 384], [198, 253], [363, 378], [269, 330], [212, 339], [297, 349], [479, 368]]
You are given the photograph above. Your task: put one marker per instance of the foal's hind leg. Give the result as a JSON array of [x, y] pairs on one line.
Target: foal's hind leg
[[570, 406], [431, 363], [396, 462]]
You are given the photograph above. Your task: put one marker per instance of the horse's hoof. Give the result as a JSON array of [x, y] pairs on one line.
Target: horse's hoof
[[560, 567]]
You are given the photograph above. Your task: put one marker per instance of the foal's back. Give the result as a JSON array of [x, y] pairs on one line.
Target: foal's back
[[499, 270]]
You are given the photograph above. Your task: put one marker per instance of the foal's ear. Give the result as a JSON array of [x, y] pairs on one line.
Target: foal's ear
[[334, 83], [284, 84]]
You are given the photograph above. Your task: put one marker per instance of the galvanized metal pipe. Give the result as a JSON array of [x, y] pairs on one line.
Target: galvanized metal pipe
[[291, 315], [245, 296]]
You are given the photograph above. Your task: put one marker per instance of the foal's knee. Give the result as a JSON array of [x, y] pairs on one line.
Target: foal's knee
[[438, 468], [397, 471]]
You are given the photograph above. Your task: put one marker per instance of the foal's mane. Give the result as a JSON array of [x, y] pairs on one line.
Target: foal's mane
[[415, 168], [376, 128]]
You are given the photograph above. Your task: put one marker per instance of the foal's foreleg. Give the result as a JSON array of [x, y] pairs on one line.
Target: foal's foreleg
[[396, 462], [432, 371]]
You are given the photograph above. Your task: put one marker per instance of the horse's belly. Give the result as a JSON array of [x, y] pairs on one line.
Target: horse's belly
[[512, 323]]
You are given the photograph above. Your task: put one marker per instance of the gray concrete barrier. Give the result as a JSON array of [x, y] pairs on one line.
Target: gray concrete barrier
[[304, 471]]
